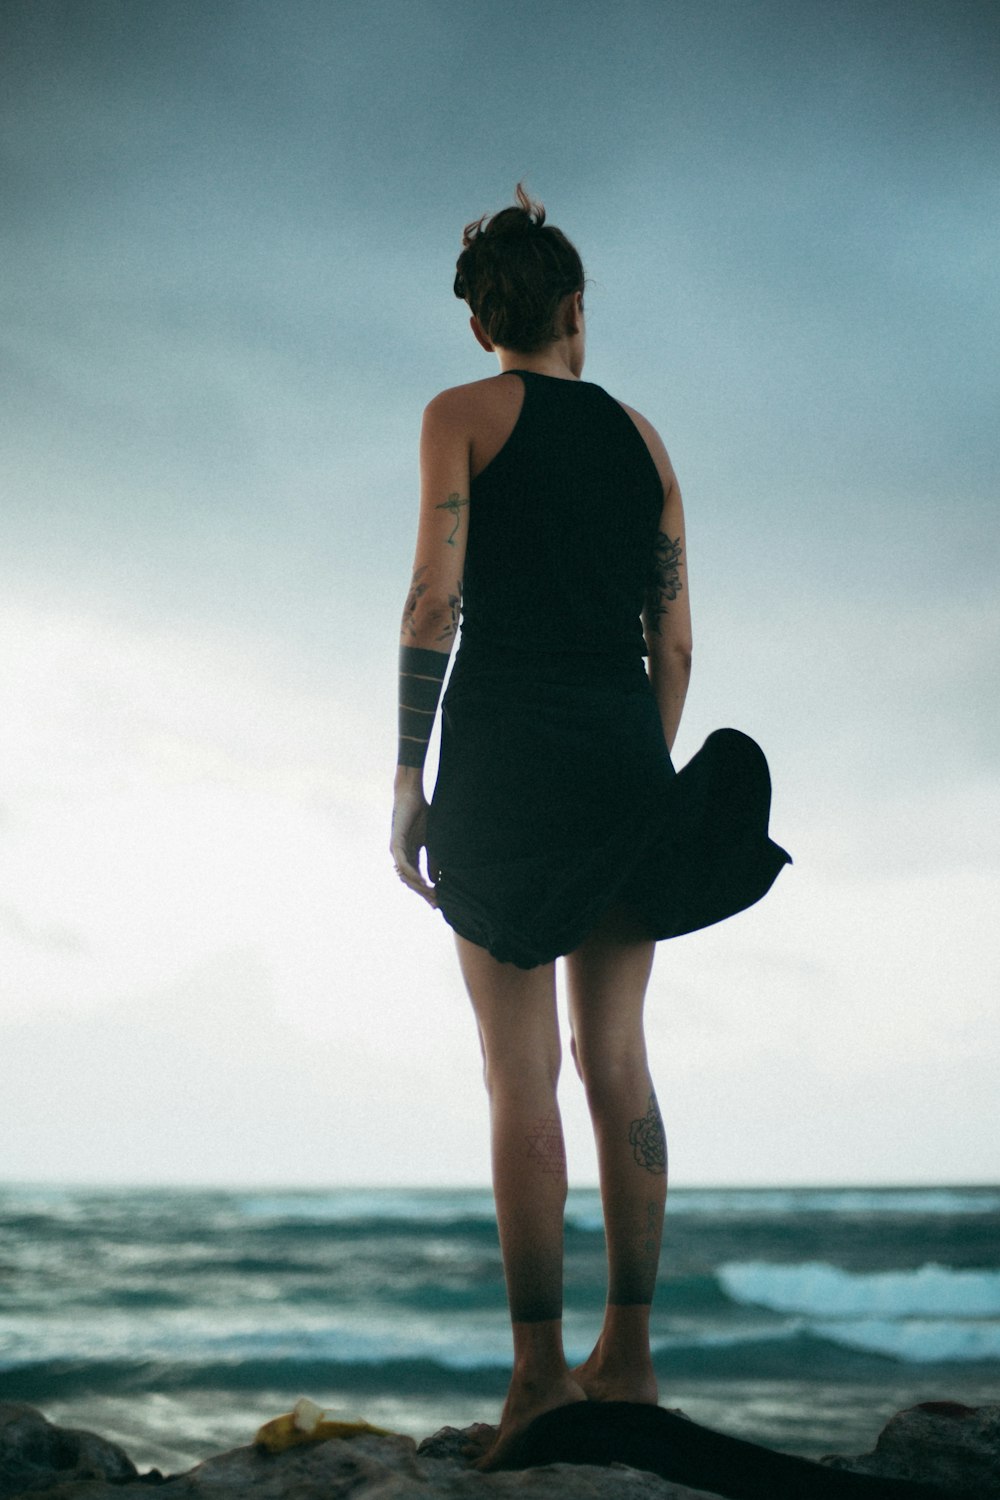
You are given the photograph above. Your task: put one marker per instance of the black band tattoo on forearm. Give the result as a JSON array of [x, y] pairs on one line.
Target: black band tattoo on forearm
[[421, 675], [664, 582], [453, 503], [648, 1140]]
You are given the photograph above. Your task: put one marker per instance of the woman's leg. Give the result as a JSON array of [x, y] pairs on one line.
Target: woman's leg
[[519, 1033], [607, 978]]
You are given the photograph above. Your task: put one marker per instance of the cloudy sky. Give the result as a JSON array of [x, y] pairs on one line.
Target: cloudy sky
[[228, 237]]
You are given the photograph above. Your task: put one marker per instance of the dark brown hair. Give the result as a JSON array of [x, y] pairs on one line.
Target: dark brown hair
[[514, 271]]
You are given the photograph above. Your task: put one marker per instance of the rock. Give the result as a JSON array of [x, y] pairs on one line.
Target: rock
[[447, 1442], [33, 1451], [938, 1442], [375, 1469], [558, 1479], [956, 1447], [365, 1468]]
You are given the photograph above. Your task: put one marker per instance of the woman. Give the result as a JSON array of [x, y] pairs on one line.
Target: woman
[[550, 517]]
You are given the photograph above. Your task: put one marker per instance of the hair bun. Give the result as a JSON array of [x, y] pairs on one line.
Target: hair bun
[[524, 217], [510, 223], [513, 272], [520, 219]]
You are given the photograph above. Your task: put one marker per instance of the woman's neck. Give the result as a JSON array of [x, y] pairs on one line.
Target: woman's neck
[[563, 360]]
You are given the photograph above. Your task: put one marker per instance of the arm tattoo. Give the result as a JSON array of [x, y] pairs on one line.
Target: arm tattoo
[[664, 581], [453, 503], [648, 1140], [417, 589], [454, 607]]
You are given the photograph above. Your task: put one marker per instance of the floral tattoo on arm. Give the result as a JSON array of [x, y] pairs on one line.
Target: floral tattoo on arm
[[664, 580], [454, 503], [450, 629], [417, 590]]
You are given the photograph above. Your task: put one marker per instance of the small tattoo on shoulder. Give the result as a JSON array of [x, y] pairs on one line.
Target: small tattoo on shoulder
[[649, 1141], [454, 503]]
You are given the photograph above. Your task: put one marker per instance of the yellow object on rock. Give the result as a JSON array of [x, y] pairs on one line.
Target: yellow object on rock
[[305, 1423]]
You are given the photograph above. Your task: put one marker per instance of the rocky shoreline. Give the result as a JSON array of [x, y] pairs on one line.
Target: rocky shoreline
[[939, 1449]]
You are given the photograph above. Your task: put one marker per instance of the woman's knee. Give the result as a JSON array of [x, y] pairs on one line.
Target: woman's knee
[[612, 1067], [520, 1065]]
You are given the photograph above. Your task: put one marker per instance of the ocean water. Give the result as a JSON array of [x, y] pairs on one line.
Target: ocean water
[[176, 1321]]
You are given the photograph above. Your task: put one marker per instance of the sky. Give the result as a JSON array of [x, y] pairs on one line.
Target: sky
[[228, 239]]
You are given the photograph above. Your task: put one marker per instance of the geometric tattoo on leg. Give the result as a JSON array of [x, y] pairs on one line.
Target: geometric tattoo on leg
[[546, 1146], [648, 1140]]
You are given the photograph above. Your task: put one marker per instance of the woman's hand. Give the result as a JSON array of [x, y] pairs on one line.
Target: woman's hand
[[409, 833]]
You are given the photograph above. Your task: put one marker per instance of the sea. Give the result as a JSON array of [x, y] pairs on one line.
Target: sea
[[176, 1321]]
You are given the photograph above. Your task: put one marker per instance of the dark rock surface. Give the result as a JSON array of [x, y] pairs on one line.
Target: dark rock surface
[[940, 1442], [956, 1447], [33, 1452], [39, 1461]]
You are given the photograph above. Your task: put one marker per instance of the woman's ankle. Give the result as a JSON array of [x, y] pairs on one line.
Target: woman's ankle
[[538, 1350], [623, 1343], [626, 1324], [620, 1366]]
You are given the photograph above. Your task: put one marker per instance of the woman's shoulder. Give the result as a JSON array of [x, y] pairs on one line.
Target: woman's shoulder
[[481, 415], [645, 427], [655, 444], [477, 395]]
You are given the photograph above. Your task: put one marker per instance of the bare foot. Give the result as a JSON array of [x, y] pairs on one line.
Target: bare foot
[[525, 1401], [605, 1381]]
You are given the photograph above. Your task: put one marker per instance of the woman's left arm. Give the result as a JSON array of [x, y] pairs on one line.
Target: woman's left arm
[[430, 620]]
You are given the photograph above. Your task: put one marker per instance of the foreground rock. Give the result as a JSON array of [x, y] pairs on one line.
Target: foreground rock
[[33, 1452], [44, 1462], [941, 1442], [956, 1447]]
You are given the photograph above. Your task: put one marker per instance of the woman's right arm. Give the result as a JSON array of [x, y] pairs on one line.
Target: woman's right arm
[[430, 620]]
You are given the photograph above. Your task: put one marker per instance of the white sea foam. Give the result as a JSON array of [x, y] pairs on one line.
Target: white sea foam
[[816, 1289], [583, 1208], [917, 1340], [719, 1339], [931, 1200], [346, 1204], [188, 1337]]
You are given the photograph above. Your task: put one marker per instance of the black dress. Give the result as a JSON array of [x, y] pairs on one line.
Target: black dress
[[556, 797]]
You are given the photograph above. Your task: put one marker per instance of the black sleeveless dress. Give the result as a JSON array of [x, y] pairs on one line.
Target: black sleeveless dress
[[556, 797]]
